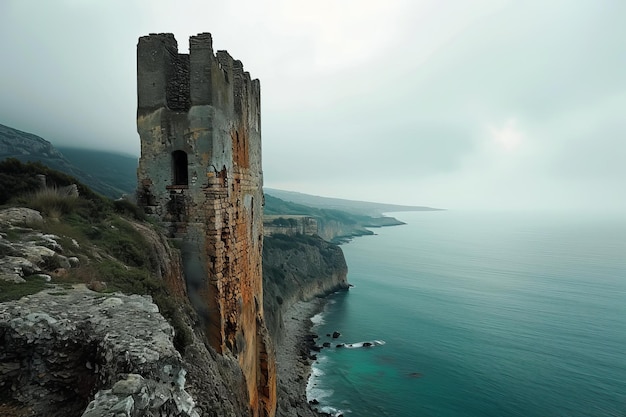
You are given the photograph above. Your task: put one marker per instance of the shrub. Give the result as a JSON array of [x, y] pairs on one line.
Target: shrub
[[52, 201], [129, 209]]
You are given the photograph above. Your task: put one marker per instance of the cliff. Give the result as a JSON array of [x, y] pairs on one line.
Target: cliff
[[299, 268], [68, 350], [200, 177], [192, 340], [68, 333], [71, 352], [333, 225]]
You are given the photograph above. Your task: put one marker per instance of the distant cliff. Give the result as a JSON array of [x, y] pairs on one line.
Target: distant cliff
[[332, 225], [298, 268]]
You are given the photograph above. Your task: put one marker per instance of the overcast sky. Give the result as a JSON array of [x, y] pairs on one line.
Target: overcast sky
[[455, 104]]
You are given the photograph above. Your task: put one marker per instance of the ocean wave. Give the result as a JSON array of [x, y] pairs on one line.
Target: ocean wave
[[318, 393], [333, 411], [318, 319], [365, 344], [316, 371]]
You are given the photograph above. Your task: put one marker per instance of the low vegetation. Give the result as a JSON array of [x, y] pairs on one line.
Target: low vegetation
[[13, 291], [94, 229]]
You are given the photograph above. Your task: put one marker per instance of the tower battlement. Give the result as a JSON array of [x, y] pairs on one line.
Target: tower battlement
[[166, 78]]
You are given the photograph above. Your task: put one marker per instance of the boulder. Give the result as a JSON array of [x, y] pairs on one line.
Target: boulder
[[19, 216], [58, 349]]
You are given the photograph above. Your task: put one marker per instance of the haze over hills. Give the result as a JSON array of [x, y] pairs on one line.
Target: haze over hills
[[358, 207], [116, 169], [105, 172], [115, 174]]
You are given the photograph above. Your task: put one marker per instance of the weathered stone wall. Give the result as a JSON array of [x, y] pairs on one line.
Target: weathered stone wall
[[289, 225], [198, 118]]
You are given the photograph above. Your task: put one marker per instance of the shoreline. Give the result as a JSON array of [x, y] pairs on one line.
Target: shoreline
[[294, 359]]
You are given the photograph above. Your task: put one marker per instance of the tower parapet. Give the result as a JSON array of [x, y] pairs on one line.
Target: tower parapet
[[200, 175]]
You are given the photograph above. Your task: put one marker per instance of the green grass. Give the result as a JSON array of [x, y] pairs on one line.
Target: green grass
[[111, 249], [52, 202], [13, 291]]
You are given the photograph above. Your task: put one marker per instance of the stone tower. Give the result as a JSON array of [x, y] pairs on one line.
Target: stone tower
[[199, 121]]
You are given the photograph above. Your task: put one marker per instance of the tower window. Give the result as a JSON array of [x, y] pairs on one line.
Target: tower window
[[179, 168]]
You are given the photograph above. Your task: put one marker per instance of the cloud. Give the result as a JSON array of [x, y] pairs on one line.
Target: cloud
[[401, 99]]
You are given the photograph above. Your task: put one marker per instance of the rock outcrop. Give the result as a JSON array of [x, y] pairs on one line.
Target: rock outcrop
[[29, 252], [61, 348], [73, 352]]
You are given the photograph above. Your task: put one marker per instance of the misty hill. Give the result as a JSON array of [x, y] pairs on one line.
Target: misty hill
[[28, 147], [357, 207], [115, 169], [113, 174]]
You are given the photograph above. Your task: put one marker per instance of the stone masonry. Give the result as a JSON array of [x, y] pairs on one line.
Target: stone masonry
[[198, 118]]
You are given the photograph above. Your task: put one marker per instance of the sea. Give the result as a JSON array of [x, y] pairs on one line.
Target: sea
[[479, 314]]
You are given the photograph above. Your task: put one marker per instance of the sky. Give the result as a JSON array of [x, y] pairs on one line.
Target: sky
[[462, 104]]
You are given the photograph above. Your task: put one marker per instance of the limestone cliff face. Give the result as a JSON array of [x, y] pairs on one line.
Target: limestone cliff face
[[198, 118], [72, 352], [333, 230], [299, 268]]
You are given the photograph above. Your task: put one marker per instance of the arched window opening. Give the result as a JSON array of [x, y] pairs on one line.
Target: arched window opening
[[179, 168]]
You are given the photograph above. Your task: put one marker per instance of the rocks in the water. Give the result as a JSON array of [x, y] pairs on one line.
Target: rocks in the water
[[367, 344], [326, 344], [336, 334], [340, 345]]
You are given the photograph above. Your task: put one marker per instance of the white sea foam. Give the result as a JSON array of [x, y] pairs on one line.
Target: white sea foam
[[316, 371], [332, 411], [318, 319], [357, 345]]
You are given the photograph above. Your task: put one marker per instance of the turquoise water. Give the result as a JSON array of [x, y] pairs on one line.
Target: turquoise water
[[481, 314]]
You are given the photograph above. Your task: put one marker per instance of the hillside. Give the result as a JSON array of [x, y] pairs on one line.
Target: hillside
[[113, 175], [27, 147], [366, 208], [117, 170], [333, 225], [76, 270]]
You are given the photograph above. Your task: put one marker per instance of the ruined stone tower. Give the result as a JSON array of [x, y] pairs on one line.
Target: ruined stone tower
[[199, 121]]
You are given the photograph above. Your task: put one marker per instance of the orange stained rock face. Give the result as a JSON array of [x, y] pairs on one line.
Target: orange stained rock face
[[200, 175]]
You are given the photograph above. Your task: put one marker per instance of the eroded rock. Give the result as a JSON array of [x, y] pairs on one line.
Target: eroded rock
[[19, 216], [79, 351], [29, 252]]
